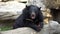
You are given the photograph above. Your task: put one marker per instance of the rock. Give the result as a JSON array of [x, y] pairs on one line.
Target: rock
[[52, 3], [20, 31], [52, 27], [37, 3], [11, 10], [25, 30]]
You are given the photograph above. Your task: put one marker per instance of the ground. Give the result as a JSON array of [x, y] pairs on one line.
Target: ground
[[6, 25]]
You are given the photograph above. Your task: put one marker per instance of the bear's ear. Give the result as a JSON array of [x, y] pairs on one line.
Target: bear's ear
[[26, 6], [39, 7]]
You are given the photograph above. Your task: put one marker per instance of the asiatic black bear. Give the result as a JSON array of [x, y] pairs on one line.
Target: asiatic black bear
[[31, 17]]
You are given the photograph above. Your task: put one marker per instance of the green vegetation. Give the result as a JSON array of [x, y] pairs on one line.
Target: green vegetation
[[5, 28], [6, 25]]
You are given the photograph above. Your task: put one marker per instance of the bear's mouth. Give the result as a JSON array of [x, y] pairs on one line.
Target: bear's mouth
[[33, 16]]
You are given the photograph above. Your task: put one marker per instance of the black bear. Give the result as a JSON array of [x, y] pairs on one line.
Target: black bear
[[31, 17]]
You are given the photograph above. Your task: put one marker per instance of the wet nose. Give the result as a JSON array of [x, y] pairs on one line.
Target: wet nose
[[33, 15]]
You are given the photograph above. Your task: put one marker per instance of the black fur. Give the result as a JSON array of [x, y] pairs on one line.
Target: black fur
[[22, 22]]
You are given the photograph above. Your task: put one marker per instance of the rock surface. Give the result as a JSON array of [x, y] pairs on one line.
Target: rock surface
[[52, 27], [52, 3], [11, 9]]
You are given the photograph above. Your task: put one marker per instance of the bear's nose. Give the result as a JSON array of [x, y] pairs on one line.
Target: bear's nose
[[33, 15]]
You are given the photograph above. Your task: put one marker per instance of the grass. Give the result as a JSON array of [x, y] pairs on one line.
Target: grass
[[7, 25], [5, 28]]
